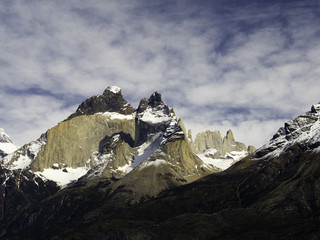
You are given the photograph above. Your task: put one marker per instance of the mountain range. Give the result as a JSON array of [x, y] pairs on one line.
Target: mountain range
[[112, 171]]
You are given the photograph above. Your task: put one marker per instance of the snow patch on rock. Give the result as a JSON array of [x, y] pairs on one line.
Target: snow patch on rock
[[25, 156], [7, 147], [221, 163], [114, 89], [63, 176], [154, 115], [144, 152], [154, 163], [304, 129], [119, 116], [22, 163]]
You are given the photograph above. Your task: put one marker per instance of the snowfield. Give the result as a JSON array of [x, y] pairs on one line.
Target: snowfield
[[63, 176], [221, 163]]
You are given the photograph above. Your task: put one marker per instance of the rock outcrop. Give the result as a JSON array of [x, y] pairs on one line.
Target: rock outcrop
[[219, 152], [110, 101], [213, 140], [302, 130], [153, 116], [72, 142]]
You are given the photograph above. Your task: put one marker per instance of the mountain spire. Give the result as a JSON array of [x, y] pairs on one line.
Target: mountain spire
[[110, 101], [229, 136]]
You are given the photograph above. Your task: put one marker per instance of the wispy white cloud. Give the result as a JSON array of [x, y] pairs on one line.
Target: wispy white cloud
[[220, 64]]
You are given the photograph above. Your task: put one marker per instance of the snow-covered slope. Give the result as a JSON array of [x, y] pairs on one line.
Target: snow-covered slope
[[6, 145], [62, 176], [208, 157], [303, 130], [23, 157]]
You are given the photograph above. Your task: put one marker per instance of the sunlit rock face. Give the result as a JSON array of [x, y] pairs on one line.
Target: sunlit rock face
[[219, 152], [72, 142]]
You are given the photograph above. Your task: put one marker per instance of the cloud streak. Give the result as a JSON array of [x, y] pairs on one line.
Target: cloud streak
[[220, 64]]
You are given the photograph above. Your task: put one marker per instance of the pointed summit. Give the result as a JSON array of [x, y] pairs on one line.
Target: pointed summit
[[153, 116], [155, 100], [154, 111], [113, 89], [229, 136], [143, 105], [315, 108], [4, 138], [110, 101], [303, 130]]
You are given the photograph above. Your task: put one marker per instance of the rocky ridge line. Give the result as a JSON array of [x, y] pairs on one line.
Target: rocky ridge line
[[219, 152]]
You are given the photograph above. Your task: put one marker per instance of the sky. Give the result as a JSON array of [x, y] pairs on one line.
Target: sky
[[245, 65]]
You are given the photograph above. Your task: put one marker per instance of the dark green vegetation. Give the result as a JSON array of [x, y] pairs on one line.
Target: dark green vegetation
[[274, 198]]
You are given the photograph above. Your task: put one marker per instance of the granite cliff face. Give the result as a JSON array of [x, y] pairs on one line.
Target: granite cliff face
[[72, 142], [219, 152]]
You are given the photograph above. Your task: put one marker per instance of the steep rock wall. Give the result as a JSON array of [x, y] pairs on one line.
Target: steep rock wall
[[72, 142]]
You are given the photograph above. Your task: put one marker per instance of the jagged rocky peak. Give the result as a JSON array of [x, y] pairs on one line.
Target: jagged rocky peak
[[303, 130], [4, 138], [144, 102], [219, 152], [206, 140], [315, 108], [153, 116], [112, 89], [110, 101], [155, 100], [154, 105], [229, 136]]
